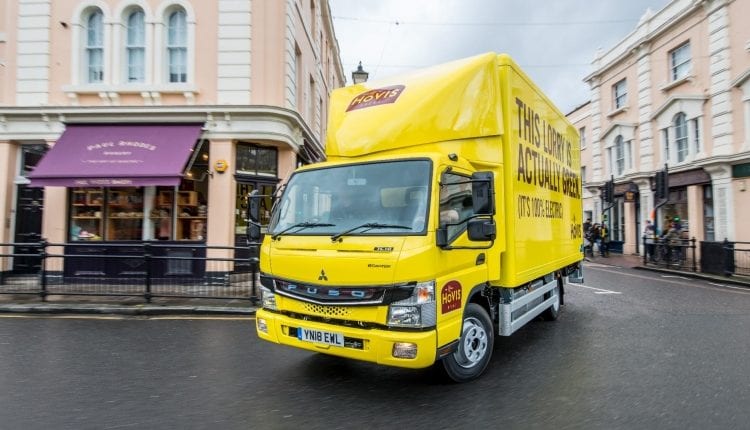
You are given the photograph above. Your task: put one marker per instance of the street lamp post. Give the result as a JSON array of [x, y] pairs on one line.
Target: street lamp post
[[360, 75]]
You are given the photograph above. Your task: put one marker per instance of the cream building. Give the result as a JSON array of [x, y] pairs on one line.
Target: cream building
[[133, 120], [674, 92]]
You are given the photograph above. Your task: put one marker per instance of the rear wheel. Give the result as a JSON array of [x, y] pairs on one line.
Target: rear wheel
[[474, 347]]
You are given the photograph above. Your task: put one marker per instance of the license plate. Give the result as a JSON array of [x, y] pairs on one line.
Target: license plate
[[320, 336]]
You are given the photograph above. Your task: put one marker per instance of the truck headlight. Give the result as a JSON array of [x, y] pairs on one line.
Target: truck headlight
[[418, 310], [267, 298]]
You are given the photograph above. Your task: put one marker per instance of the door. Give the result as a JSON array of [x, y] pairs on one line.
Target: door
[[29, 207], [244, 188]]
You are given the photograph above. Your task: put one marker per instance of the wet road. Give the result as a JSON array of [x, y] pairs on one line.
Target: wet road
[[632, 349]]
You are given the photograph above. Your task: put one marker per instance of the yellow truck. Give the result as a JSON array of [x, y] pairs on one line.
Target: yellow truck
[[448, 212]]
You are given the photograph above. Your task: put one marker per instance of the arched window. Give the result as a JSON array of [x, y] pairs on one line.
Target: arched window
[[95, 47], [135, 47], [620, 154], [681, 136], [177, 46]]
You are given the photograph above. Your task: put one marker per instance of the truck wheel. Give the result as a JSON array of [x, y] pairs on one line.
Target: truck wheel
[[474, 346], [553, 311]]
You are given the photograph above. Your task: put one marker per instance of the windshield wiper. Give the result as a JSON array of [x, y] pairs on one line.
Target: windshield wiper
[[367, 226], [301, 226]]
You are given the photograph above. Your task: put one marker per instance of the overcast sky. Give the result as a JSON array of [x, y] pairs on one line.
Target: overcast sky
[[554, 41]]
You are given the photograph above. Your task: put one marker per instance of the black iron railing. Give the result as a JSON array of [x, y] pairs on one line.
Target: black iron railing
[[678, 254], [145, 269]]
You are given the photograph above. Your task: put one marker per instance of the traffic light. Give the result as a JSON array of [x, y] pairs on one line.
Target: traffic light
[[662, 184], [608, 191]]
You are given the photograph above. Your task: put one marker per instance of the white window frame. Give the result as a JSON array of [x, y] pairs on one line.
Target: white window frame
[[620, 94], [681, 144], [93, 46], [173, 46], [679, 62], [620, 157], [135, 43], [582, 133]]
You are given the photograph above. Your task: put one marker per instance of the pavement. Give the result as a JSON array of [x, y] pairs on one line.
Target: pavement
[[135, 306]]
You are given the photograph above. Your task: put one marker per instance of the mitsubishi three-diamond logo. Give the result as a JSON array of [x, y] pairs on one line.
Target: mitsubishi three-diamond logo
[[322, 276]]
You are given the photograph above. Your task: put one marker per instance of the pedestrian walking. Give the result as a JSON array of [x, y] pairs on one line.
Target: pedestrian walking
[[604, 244], [649, 234]]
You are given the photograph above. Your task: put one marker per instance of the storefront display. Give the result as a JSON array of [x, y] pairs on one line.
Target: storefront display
[[139, 213]]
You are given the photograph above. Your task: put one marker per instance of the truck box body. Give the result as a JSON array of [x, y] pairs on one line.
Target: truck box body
[[411, 150], [488, 111]]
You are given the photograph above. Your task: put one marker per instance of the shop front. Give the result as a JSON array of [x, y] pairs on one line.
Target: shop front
[[130, 184]]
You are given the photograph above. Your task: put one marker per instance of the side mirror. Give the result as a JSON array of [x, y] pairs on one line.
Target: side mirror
[[481, 230], [253, 213], [482, 193]]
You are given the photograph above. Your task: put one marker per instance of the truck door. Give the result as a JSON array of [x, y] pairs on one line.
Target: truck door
[[462, 264]]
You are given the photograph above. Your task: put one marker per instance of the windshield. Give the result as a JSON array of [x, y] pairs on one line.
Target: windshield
[[341, 199]]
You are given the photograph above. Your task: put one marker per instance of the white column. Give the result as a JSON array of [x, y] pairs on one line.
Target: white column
[[724, 219], [720, 69], [108, 54], [746, 105], [647, 157], [150, 57], [159, 53], [117, 53]]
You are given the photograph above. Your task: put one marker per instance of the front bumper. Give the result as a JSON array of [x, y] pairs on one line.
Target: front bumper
[[372, 345]]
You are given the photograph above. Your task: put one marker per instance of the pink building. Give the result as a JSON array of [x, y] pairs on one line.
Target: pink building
[[674, 92], [138, 120]]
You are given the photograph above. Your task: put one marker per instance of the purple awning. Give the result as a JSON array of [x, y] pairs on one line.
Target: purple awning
[[117, 155]]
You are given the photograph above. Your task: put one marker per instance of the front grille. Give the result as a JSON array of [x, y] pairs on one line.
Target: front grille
[[329, 311]]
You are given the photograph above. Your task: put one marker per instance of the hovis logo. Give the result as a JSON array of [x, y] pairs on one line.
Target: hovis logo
[[378, 96], [322, 276]]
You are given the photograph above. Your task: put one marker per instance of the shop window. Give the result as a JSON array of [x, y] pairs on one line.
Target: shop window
[[255, 160], [124, 214], [86, 214], [140, 213]]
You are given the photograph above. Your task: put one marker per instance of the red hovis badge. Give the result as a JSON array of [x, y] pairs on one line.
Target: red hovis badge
[[378, 96], [450, 297]]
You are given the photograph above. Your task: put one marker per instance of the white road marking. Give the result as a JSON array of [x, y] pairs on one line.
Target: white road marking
[[674, 276], [598, 290], [725, 288]]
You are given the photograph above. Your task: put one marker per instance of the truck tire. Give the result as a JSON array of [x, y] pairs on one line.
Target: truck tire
[[474, 347], [553, 311]]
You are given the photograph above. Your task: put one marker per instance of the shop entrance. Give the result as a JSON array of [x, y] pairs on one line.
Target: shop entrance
[[244, 188], [29, 209], [29, 206]]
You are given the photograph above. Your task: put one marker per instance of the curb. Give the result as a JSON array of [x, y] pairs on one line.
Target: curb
[[723, 280], [140, 310]]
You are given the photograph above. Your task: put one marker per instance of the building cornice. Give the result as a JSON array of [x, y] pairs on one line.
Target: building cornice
[[220, 121]]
